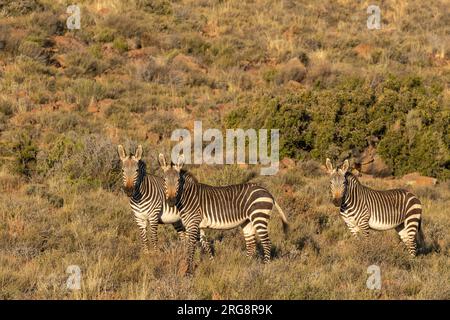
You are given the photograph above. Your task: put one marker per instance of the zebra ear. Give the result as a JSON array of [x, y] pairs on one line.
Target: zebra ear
[[345, 166], [121, 152], [162, 161], [180, 162], [138, 153], [329, 165]]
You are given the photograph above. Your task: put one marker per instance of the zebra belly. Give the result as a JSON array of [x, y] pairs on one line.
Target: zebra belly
[[380, 226], [217, 225], [169, 216]]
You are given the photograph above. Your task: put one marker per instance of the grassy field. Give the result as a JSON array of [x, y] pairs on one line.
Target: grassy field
[[317, 260], [139, 69]]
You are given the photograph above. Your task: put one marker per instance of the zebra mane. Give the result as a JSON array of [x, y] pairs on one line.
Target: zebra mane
[[142, 171], [142, 166], [350, 177], [186, 174]]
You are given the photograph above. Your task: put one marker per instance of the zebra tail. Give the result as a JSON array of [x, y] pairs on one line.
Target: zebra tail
[[420, 237], [283, 218]]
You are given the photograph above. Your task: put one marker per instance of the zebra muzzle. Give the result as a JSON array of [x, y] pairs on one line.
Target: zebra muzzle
[[128, 190], [171, 202], [337, 201]]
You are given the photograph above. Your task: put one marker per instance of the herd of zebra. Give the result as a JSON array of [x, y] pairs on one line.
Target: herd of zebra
[[179, 199]]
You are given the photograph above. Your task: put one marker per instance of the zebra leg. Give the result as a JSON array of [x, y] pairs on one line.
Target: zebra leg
[[250, 238], [153, 230], [260, 219], [412, 225], [192, 232], [181, 231], [398, 229], [364, 226], [407, 233], [206, 246], [263, 236], [142, 224], [352, 226]]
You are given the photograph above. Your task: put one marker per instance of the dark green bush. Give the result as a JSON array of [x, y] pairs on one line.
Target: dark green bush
[[6, 108], [405, 114], [25, 152]]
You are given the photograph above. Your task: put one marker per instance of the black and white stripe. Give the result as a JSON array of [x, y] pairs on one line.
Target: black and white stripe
[[363, 208], [150, 208], [147, 199], [203, 207]]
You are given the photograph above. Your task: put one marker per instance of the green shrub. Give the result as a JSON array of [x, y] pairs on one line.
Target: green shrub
[[33, 50], [10, 8], [120, 44], [269, 75], [162, 123], [84, 64], [88, 160], [105, 34], [25, 153], [197, 46], [82, 91], [291, 114], [405, 114], [160, 7], [6, 107]]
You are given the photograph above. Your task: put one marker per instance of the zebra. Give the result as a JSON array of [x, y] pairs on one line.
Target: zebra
[[147, 201], [202, 206], [363, 208]]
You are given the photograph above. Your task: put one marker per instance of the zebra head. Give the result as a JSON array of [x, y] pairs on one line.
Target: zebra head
[[171, 178], [130, 168], [337, 181]]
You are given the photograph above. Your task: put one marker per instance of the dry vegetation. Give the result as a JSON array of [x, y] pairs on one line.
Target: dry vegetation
[[317, 260], [139, 69]]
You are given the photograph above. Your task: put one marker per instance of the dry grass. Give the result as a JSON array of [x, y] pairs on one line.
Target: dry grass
[[317, 260], [138, 70]]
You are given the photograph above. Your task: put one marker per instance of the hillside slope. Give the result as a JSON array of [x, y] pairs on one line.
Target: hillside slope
[[139, 69]]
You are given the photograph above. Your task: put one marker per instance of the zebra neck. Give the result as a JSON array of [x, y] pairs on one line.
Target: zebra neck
[[141, 183], [188, 187], [188, 178], [351, 188]]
